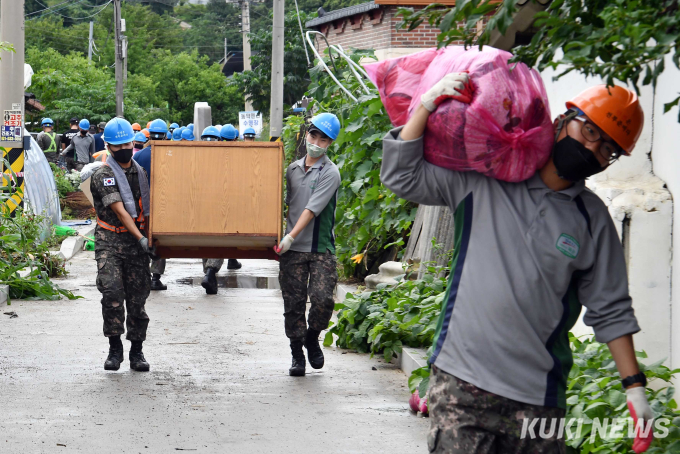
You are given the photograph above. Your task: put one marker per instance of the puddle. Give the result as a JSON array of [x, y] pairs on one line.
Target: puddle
[[236, 281]]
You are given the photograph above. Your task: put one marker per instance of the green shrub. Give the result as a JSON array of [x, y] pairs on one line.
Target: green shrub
[[24, 244], [390, 317], [63, 182]]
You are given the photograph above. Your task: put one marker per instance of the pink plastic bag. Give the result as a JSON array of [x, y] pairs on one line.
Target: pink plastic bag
[[505, 132]]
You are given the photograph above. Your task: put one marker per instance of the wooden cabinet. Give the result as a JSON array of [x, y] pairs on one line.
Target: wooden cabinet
[[216, 199]]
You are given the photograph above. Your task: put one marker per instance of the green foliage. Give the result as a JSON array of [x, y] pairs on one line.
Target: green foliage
[[64, 184], [419, 380], [390, 317], [625, 40], [370, 218], [24, 240], [595, 391], [256, 84], [184, 79]]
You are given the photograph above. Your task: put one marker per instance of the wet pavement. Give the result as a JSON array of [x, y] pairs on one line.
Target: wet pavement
[[218, 379]]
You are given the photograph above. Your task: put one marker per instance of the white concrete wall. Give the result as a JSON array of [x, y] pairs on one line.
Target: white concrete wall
[[635, 191], [665, 159]]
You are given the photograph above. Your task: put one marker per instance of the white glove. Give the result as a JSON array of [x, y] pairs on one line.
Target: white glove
[[454, 85], [285, 244], [144, 243], [639, 409]]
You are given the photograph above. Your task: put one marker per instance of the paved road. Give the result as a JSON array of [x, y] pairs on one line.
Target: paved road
[[218, 380]]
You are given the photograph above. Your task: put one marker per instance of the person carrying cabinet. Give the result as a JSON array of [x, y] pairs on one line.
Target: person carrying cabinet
[[308, 265], [120, 191]]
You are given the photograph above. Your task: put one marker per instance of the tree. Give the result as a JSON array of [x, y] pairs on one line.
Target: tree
[[70, 86], [256, 84], [187, 78], [625, 40]]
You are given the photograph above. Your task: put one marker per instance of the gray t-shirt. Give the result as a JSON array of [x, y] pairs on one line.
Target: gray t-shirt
[[525, 259], [84, 147], [315, 190]]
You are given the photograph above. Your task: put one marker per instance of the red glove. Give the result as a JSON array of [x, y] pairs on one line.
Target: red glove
[[640, 410]]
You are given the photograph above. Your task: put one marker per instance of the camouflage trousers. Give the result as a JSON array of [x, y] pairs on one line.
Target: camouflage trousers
[[467, 420], [158, 266], [127, 281], [212, 263], [307, 273]]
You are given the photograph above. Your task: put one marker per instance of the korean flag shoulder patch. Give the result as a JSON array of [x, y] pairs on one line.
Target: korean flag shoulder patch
[[109, 181]]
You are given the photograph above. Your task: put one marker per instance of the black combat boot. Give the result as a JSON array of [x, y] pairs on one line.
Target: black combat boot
[[314, 353], [298, 367], [233, 264], [137, 361], [156, 283], [210, 282], [115, 354]]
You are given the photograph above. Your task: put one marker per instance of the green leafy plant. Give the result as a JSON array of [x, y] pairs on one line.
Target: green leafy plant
[[24, 245], [420, 381], [64, 184], [595, 391], [385, 320], [626, 40], [369, 217]]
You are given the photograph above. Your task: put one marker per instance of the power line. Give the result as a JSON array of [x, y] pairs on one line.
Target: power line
[[86, 17], [50, 8]]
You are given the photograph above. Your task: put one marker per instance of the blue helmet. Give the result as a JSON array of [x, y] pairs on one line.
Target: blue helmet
[[210, 133], [84, 124], [177, 134], [173, 126], [249, 132], [228, 132], [168, 135], [158, 126], [187, 134], [191, 126], [118, 131], [47, 122], [140, 137], [328, 124]]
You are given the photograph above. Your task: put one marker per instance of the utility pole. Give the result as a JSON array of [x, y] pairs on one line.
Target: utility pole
[[119, 58], [245, 21], [276, 109], [225, 50], [12, 76], [89, 46]]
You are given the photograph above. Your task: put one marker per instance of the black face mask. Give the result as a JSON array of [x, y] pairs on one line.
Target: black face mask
[[574, 162], [139, 146], [123, 155]]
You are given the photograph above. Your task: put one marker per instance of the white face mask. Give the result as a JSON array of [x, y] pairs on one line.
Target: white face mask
[[314, 150]]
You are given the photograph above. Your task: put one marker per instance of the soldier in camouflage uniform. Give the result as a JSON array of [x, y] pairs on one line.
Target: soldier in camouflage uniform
[[308, 265], [121, 250], [466, 419]]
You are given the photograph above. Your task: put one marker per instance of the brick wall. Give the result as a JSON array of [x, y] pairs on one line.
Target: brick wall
[[376, 30]]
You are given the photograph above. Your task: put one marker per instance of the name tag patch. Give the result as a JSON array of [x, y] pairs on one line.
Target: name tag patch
[[568, 245], [109, 181]]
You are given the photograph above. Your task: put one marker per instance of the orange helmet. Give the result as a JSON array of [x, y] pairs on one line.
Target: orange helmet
[[146, 132], [148, 125], [136, 127], [615, 110]]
